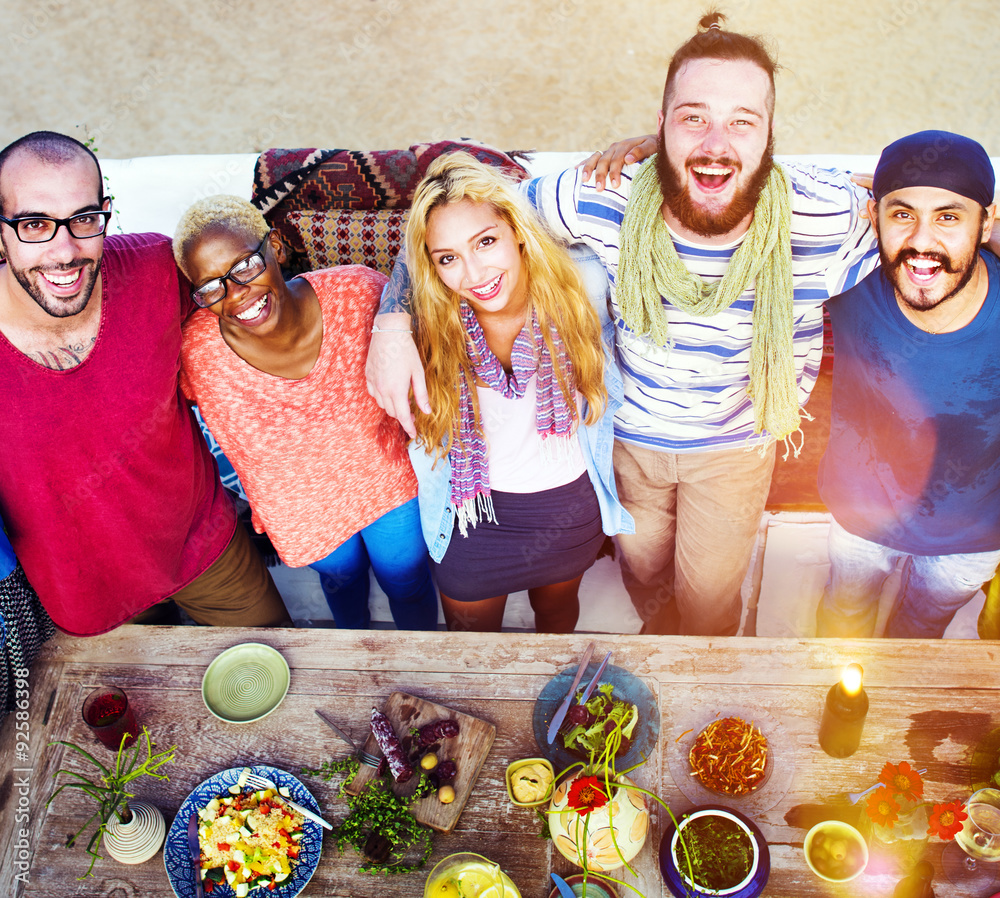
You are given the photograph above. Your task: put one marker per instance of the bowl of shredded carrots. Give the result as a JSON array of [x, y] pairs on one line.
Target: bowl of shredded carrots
[[731, 756]]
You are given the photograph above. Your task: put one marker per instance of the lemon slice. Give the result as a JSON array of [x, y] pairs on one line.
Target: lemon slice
[[476, 884], [445, 888], [509, 889]]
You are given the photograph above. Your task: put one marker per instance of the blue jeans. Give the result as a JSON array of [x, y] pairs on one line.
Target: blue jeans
[[394, 548], [933, 588]]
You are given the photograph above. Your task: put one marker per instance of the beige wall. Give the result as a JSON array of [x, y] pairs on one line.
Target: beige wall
[[211, 76]]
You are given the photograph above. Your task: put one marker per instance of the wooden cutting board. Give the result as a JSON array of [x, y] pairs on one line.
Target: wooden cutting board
[[468, 750]]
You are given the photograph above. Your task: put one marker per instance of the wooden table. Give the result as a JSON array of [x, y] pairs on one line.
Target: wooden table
[[931, 702]]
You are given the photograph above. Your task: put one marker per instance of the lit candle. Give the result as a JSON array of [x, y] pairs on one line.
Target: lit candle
[[844, 714]]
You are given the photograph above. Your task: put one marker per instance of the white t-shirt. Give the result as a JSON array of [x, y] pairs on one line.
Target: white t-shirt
[[520, 461]]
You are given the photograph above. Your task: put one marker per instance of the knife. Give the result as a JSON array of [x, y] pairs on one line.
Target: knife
[[362, 755], [194, 847], [563, 886], [336, 729], [593, 683], [560, 714]]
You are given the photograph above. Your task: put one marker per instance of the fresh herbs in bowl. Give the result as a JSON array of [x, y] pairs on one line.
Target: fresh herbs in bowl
[[715, 850], [719, 851]]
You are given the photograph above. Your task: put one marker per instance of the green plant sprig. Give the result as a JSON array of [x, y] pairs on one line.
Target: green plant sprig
[[603, 764], [377, 810], [112, 797]]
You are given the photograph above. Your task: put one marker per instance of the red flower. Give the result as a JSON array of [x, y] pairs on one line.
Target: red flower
[[902, 780], [586, 794], [946, 819], [882, 807]]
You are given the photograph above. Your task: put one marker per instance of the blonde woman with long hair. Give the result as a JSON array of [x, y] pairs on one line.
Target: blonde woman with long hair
[[510, 455]]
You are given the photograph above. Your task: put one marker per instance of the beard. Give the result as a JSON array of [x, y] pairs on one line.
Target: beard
[[708, 222], [30, 280], [913, 296]]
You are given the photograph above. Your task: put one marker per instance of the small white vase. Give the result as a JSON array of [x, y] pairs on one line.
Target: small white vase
[[140, 838], [590, 837]]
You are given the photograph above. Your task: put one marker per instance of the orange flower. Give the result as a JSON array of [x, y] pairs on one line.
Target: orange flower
[[902, 780], [586, 794], [946, 819], [882, 807]]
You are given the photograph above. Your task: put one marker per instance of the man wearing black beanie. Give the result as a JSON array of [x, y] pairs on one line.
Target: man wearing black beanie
[[912, 469]]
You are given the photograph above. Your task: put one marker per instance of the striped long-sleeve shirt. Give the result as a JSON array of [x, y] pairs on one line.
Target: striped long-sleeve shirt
[[693, 397]]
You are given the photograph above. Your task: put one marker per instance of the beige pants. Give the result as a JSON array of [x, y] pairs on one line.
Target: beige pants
[[696, 522], [235, 591]]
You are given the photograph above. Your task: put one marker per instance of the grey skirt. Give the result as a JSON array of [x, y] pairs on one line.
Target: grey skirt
[[538, 539]]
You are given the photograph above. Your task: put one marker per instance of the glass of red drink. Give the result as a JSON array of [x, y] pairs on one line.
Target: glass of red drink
[[109, 715]]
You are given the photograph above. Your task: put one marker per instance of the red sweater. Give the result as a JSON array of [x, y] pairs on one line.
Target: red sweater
[[110, 495]]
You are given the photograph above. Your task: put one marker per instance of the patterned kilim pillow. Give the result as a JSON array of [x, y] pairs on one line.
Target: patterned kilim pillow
[[371, 238], [315, 180]]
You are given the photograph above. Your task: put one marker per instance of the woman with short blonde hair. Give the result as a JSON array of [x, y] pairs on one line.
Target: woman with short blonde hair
[[276, 369]]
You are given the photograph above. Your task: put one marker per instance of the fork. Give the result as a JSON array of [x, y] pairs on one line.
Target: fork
[[259, 782]]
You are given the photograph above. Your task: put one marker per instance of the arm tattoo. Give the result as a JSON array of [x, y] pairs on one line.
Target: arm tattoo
[[396, 293]]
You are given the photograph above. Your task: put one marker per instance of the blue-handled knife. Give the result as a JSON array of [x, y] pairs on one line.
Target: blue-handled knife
[[563, 886], [195, 850], [597, 678], [560, 714]]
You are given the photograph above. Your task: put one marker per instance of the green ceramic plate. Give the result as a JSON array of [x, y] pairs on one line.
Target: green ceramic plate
[[245, 683]]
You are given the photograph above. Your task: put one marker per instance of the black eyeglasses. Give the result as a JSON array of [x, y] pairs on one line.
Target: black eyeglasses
[[40, 229], [242, 273]]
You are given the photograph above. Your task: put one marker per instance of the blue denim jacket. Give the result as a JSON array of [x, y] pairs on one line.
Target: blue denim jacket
[[437, 517]]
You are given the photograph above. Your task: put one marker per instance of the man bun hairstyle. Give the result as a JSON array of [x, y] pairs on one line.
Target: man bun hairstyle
[[713, 41]]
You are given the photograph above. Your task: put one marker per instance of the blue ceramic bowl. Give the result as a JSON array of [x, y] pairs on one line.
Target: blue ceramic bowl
[[627, 687], [678, 883]]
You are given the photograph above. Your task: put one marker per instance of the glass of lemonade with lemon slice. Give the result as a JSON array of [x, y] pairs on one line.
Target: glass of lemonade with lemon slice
[[468, 875]]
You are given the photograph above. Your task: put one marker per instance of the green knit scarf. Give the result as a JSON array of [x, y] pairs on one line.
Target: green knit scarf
[[649, 268]]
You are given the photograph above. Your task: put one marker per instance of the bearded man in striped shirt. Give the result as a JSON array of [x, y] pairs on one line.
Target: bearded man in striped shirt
[[719, 261]]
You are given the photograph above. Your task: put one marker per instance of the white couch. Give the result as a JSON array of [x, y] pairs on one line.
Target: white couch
[[152, 192], [787, 576]]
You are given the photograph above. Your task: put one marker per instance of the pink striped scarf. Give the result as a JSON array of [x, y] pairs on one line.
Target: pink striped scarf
[[470, 486]]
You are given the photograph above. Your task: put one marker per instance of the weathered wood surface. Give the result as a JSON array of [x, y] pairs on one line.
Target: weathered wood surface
[[931, 703]]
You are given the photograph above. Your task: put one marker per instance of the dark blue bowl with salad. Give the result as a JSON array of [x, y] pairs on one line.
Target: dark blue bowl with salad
[[620, 696]]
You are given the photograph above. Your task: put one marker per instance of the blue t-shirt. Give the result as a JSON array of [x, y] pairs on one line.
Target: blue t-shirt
[[913, 461], [8, 561]]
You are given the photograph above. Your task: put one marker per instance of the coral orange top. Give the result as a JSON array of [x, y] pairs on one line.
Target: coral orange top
[[306, 450]]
